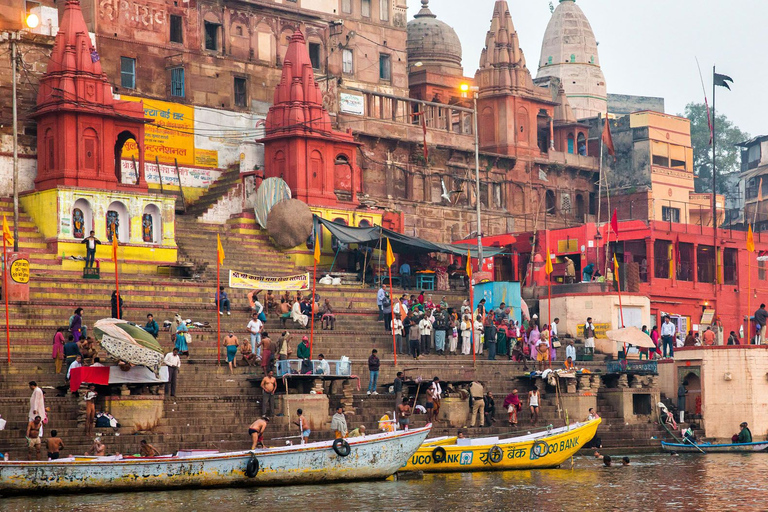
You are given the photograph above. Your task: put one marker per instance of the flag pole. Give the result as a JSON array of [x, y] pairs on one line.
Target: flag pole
[[312, 308], [218, 310], [117, 281], [5, 295], [714, 191], [392, 310], [618, 289], [472, 320], [749, 298]]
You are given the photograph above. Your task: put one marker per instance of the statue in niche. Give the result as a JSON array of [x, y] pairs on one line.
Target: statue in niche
[[78, 223], [113, 224], [147, 229]]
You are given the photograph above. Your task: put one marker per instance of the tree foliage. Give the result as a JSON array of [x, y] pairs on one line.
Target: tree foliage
[[728, 154]]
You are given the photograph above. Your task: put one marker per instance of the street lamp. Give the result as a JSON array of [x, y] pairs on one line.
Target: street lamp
[[465, 88], [31, 21]]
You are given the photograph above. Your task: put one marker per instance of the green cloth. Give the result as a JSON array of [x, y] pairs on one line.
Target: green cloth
[[302, 351], [745, 436], [501, 343]]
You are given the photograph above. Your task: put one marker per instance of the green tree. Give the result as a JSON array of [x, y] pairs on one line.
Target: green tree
[[728, 154]]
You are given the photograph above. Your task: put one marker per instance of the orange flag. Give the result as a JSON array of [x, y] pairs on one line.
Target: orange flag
[[114, 247], [219, 250], [390, 254], [548, 268], [615, 268], [7, 232], [750, 240], [317, 251], [469, 265]]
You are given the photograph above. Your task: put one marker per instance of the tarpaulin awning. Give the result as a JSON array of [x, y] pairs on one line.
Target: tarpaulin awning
[[401, 244]]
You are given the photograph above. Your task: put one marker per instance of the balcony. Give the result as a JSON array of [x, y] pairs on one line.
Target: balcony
[[568, 160]]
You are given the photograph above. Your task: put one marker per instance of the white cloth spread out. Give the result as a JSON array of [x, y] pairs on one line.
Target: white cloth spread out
[[137, 374]]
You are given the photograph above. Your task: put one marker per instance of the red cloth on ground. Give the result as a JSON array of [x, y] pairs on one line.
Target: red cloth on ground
[[91, 374]]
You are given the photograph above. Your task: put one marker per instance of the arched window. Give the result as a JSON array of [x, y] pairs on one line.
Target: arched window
[[364, 223], [581, 144], [121, 141], [573, 58], [550, 202], [118, 222], [335, 244], [151, 225]]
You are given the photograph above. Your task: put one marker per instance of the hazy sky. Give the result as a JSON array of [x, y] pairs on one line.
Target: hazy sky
[[647, 47]]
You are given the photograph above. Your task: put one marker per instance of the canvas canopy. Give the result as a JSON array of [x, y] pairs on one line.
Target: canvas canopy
[[401, 244]]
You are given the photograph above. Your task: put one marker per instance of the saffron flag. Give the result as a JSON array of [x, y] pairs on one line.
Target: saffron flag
[[750, 240], [615, 268], [608, 139], [615, 222], [548, 265], [219, 250], [317, 252], [7, 236], [114, 247], [469, 265], [390, 254]]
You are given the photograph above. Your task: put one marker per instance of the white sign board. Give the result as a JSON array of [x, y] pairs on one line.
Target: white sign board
[[351, 104]]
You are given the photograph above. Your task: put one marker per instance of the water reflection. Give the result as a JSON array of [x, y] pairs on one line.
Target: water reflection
[[652, 482]]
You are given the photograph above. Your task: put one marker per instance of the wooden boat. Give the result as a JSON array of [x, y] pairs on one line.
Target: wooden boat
[[760, 446], [545, 449], [371, 457]]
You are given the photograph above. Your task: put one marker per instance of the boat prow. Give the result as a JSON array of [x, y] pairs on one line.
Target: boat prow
[[545, 449]]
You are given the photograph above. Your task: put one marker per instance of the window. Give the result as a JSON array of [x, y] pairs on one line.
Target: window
[[573, 58], [549, 60], [241, 94], [212, 36], [365, 6], [127, 73], [314, 55], [346, 6], [177, 31], [550, 202], [385, 67], [177, 82], [384, 10], [347, 58], [669, 214], [761, 270], [660, 153]]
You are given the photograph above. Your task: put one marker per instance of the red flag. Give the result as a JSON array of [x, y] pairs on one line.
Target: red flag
[[615, 222], [608, 139]]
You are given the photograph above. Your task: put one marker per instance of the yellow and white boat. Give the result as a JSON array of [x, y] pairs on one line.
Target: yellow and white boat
[[545, 449]]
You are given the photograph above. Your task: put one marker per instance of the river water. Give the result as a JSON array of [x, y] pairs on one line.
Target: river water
[[651, 482]]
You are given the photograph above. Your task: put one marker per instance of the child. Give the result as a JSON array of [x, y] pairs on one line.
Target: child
[[301, 422]]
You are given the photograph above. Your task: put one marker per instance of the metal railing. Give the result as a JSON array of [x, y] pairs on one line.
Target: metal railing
[[341, 367]]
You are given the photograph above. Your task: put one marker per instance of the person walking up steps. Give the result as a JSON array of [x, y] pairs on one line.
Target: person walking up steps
[[373, 368]]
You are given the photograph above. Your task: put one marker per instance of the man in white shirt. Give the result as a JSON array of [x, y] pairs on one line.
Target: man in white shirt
[[397, 327], [254, 327], [553, 329], [668, 337], [570, 351], [380, 300], [76, 364], [425, 334], [322, 366], [173, 362]]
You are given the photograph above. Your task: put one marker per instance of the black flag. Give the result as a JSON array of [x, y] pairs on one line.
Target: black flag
[[722, 80]]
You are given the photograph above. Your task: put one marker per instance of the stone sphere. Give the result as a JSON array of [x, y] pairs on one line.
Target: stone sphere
[[289, 223]]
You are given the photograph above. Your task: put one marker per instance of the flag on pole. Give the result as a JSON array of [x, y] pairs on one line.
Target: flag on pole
[[750, 240], [469, 265], [7, 236], [722, 80], [608, 139], [615, 268], [390, 254], [548, 268], [114, 247], [316, 253], [219, 250], [615, 222]]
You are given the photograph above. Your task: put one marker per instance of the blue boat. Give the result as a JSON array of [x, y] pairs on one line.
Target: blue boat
[[371, 457], [760, 446]]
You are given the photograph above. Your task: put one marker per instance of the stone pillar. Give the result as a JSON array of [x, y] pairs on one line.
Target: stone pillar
[[695, 264]]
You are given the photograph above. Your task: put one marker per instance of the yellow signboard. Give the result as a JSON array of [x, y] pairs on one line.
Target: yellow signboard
[[600, 330], [251, 282], [20, 271], [171, 137]]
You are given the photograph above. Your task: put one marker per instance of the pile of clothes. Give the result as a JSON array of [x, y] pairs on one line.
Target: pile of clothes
[[106, 420]]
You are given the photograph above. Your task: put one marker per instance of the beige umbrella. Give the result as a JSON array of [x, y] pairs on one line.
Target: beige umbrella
[[631, 336]]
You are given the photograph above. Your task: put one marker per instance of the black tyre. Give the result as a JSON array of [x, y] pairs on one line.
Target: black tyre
[[438, 454], [495, 454], [341, 447], [252, 469]]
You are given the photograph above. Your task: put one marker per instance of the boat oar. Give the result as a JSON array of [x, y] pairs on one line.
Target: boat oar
[[686, 440]]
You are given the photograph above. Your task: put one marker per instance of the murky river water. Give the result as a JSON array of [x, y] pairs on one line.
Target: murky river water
[[652, 482]]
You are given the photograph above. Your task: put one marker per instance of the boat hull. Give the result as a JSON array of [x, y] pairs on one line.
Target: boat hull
[[715, 448], [371, 457], [535, 451]]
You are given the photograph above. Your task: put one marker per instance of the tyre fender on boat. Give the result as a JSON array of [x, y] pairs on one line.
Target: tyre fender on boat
[[438, 454], [495, 454], [341, 447], [539, 449], [252, 468]]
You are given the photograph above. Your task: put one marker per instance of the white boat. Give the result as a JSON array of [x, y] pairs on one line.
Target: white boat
[[758, 446], [371, 457]]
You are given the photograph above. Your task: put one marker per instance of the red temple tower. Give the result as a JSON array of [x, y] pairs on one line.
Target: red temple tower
[[318, 163], [81, 127]]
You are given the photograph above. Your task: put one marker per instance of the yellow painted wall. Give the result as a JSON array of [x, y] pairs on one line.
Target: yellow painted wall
[[43, 208]]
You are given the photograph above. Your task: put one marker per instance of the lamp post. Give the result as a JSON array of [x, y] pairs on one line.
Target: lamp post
[[474, 89], [31, 21]]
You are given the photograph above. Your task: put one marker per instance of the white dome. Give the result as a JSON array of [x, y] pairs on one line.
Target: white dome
[[569, 52]]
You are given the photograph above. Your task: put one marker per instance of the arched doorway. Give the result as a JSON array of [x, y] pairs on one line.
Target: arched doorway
[[82, 219], [132, 177], [151, 225], [581, 144], [580, 208], [118, 221], [694, 392]]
